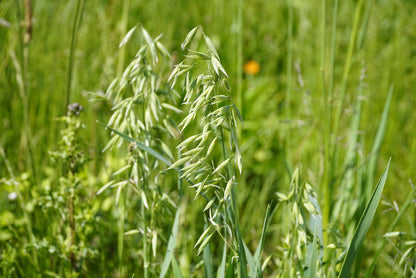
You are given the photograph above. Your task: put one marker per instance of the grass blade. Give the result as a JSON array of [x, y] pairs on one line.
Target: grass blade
[[171, 246], [176, 270], [250, 262], [255, 261], [141, 146], [392, 226], [377, 143], [414, 274], [230, 269], [363, 225], [207, 256], [312, 258], [221, 270]]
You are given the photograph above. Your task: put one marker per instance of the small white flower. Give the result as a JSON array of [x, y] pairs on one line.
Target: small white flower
[[12, 196]]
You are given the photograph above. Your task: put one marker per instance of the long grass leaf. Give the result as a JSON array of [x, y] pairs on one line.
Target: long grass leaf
[[255, 266], [176, 270], [141, 146], [406, 204], [207, 256], [363, 225], [250, 262], [377, 142], [312, 258], [230, 269], [221, 270], [414, 274], [171, 246]]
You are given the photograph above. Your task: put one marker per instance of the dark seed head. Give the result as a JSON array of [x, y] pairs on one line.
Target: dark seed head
[[74, 109]]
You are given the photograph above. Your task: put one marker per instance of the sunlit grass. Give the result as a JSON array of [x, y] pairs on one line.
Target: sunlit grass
[[325, 92]]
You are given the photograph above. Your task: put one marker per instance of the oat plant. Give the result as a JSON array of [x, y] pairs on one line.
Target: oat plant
[[210, 157], [142, 127]]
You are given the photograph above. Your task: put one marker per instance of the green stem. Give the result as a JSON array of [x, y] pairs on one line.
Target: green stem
[[237, 238], [144, 240], [288, 97], [123, 31], [120, 233], [240, 99], [329, 158], [347, 68], [77, 19]]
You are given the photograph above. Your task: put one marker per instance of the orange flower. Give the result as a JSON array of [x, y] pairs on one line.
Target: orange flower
[[251, 67]]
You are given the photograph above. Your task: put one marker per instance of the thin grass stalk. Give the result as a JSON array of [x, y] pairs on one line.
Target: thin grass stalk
[[347, 66], [240, 97], [346, 73], [234, 211], [22, 81], [144, 241], [120, 233], [77, 19], [27, 37], [123, 32], [329, 167], [288, 152]]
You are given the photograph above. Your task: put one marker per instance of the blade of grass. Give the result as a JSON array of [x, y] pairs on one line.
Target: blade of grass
[[250, 262], [77, 20], [221, 270], [256, 270], [176, 270], [230, 269], [315, 223], [414, 274], [363, 225], [141, 146], [171, 246], [312, 258], [377, 142], [393, 224], [207, 256]]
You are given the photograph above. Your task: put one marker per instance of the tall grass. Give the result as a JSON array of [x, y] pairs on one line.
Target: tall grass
[[320, 122]]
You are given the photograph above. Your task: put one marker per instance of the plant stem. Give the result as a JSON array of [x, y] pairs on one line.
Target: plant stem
[[77, 19], [329, 158], [240, 99], [123, 31], [72, 229], [347, 68], [237, 238], [288, 97], [144, 240]]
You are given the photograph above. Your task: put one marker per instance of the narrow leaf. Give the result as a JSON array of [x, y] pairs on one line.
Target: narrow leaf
[[207, 256], [176, 270], [312, 258], [141, 146], [363, 225], [377, 142], [221, 270], [171, 246]]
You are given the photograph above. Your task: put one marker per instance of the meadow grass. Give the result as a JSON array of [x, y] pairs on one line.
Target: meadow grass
[[186, 190]]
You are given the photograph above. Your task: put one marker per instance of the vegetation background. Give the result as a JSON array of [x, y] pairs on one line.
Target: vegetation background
[[302, 47]]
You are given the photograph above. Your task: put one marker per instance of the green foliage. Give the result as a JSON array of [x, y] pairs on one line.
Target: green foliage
[[171, 196]]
